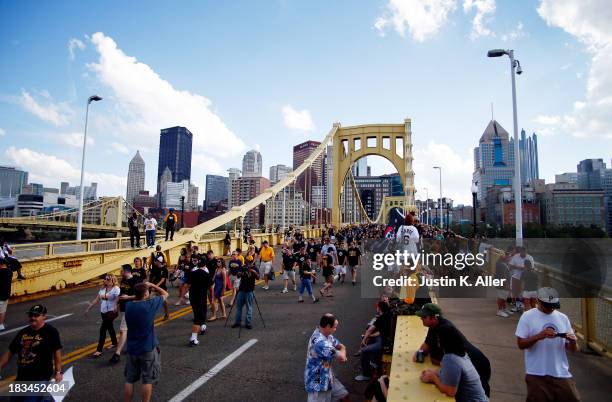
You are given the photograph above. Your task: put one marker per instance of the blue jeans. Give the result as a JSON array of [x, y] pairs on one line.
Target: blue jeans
[[150, 234], [306, 283], [370, 353], [243, 298]]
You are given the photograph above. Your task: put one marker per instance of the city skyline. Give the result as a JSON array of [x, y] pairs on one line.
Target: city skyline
[[296, 96]]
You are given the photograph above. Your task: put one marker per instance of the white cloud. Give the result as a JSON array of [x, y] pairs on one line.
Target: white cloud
[[483, 9], [516, 33], [55, 113], [120, 148], [75, 139], [547, 119], [297, 120], [457, 171], [2, 132], [589, 22], [146, 103], [50, 170], [423, 18], [73, 44]]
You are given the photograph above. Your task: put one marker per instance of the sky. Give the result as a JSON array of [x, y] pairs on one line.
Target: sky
[[268, 75]]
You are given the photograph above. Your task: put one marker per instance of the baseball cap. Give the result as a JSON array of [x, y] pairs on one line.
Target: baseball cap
[[429, 310], [549, 297], [265, 242], [37, 309]]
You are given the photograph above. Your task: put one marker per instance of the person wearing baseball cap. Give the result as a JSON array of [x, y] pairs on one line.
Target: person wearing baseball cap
[[546, 334], [431, 315], [40, 360]]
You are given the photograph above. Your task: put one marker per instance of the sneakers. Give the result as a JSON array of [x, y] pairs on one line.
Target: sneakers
[[508, 311], [502, 313], [115, 359], [235, 325], [300, 300], [265, 287], [194, 342], [362, 377], [294, 288], [284, 290], [166, 317], [2, 328], [248, 326], [202, 329], [354, 283], [316, 300]]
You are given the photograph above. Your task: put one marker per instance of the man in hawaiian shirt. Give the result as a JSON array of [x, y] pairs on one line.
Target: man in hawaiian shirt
[[321, 383]]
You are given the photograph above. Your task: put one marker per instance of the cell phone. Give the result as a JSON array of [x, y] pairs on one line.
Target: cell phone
[[561, 334]]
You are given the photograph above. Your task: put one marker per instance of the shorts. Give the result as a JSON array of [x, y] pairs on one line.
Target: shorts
[[530, 294], [341, 269], [267, 267], [547, 388], [289, 275], [336, 393], [503, 294], [198, 306], [145, 367], [123, 325], [3, 306]]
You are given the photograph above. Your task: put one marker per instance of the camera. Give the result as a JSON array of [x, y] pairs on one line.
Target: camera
[[561, 335]]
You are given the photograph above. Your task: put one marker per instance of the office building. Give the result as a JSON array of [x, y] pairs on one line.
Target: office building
[[64, 187], [135, 177], [500, 206], [593, 175], [313, 175], [192, 198], [33, 188], [173, 195], [251, 164], [278, 173], [574, 207], [286, 209], [528, 148], [217, 188], [175, 145], [163, 181], [360, 168], [233, 175], [371, 190], [90, 194], [12, 181], [245, 189], [144, 202], [493, 160], [569, 177]]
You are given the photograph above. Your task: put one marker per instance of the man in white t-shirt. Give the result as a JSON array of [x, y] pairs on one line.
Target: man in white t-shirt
[[517, 265], [150, 224], [545, 335]]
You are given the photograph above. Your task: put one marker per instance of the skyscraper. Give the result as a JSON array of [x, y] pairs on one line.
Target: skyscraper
[[216, 189], [528, 148], [163, 181], [493, 160], [590, 172], [278, 173], [234, 174], [135, 178], [175, 144], [251, 164], [12, 181], [246, 188], [313, 176]]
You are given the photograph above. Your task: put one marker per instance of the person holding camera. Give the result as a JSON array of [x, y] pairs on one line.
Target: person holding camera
[[107, 296], [143, 360], [247, 274], [545, 334]]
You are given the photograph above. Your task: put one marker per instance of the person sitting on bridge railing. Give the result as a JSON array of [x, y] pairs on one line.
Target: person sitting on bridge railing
[[376, 337]]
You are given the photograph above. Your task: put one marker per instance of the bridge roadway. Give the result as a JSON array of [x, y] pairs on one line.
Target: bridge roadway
[[271, 370]]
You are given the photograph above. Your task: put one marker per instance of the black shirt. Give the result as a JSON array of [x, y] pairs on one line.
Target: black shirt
[[328, 268], [127, 288], [297, 246], [156, 275], [6, 279], [313, 250], [288, 262], [140, 274], [248, 278], [353, 256], [383, 325], [199, 281], [342, 255], [170, 221], [34, 350], [133, 223], [433, 341]]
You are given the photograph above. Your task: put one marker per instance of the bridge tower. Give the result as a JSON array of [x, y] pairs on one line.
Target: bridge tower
[[391, 141]]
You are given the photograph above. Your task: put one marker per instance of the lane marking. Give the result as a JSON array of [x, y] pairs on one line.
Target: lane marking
[[47, 320], [212, 372]]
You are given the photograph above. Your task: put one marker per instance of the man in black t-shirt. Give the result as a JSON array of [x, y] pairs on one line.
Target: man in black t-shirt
[[287, 271], [38, 348], [248, 274], [126, 287], [342, 254], [133, 226], [354, 259], [199, 280], [307, 274], [376, 337], [158, 275]]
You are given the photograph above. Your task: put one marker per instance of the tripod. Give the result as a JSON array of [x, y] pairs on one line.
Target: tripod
[[232, 307]]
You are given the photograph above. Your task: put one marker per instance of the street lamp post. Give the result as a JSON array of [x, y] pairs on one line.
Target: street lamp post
[[515, 67], [426, 205], [440, 202], [93, 98], [182, 209], [474, 201]]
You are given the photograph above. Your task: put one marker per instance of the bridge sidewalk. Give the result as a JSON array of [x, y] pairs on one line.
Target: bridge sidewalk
[[495, 337]]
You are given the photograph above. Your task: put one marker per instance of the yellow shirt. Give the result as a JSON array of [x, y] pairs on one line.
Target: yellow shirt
[[241, 258], [266, 254]]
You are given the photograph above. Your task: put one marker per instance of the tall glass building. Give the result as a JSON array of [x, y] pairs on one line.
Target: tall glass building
[[175, 144]]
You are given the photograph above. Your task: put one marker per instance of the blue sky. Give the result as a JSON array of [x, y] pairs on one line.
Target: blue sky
[[268, 75]]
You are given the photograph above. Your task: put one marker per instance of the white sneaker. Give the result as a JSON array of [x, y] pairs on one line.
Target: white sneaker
[[284, 290], [513, 309], [502, 313], [295, 288], [2, 328], [266, 287], [508, 311]]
